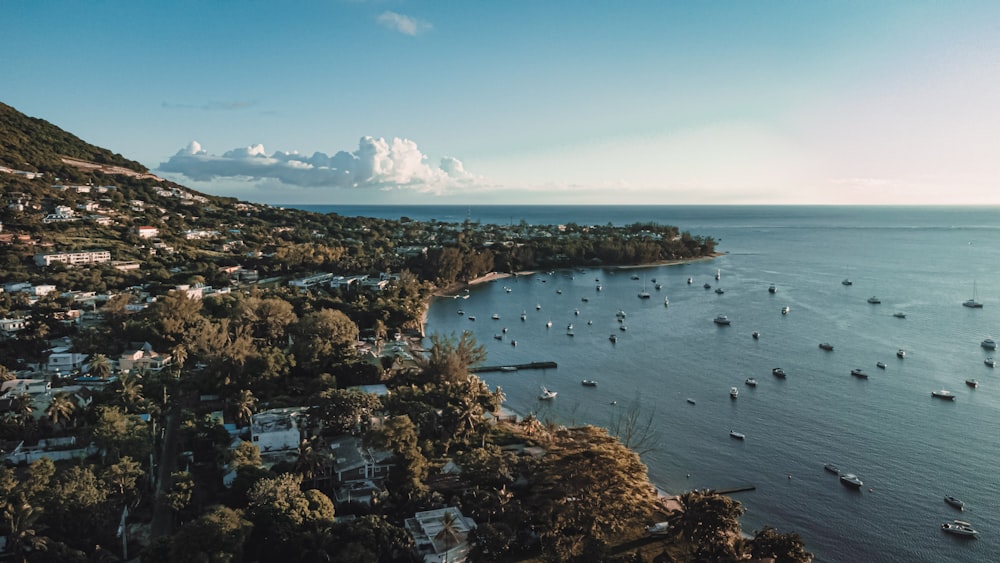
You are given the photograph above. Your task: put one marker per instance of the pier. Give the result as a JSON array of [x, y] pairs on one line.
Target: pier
[[514, 367], [732, 490]]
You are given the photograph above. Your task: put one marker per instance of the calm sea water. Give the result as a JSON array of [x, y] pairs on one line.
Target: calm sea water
[[909, 449]]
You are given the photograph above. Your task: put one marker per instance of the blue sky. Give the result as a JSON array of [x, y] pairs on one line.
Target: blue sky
[[437, 101]]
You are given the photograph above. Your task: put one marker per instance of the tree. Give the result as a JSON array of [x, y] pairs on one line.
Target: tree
[[399, 435], [122, 476], [119, 434], [61, 409], [322, 337], [130, 392], [634, 427], [783, 548], [216, 536], [709, 523], [100, 366], [247, 453], [346, 411], [244, 407], [181, 490], [449, 359]]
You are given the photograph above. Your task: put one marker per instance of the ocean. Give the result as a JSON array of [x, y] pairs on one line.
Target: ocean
[[909, 449]]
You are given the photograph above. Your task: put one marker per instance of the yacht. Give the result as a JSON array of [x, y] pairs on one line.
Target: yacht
[[899, 315], [974, 383], [900, 353], [721, 320], [832, 468], [851, 480], [737, 435], [547, 395], [990, 362], [856, 372], [755, 335], [874, 300], [989, 344], [785, 310], [972, 303], [589, 383], [847, 281], [751, 382], [943, 394], [734, 392], [495, 317], [548, 324], [613, 338], [690, 281], [959, 528], [826, 346], [880, 365], [772, 289], [718, 275], [719, 291], [778, 372]]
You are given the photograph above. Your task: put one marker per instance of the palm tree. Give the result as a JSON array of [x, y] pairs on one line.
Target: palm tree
[[449, 536], [100, 366], [244, 406], [61, 409], [131, 392]]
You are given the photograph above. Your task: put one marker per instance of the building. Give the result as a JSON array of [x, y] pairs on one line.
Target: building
[[277, 430], [74, 258], [437, 543], [142, 357], [146, 231]]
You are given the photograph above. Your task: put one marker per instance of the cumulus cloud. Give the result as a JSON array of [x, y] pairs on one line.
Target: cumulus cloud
[[403, 24], [377, 163]]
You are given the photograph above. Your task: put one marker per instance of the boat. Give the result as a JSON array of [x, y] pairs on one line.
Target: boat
[[658, 286], [943, 394], [899, 315], [880, 365], [690, 401], [599, 287], [690, 281], [613, 338], [737, 435], [548, 324], [620, 314], [778, 372], [785, 310], [666, 302], [589, 383], [547, 395], [972, 303], [644, 294], [990, 362], [635, 277], [538, 307], [719, 291], [989, 344], [558, 292], [498, 336], [959, 528], [508, 368], [658, 529], [513, 342], [721, 320], [718, 275], [900, 353], [874, 300], [974, 383], [955, 502], [471, 317], [734, 392], [755, 335], [857, 372], [826, 346], [576, 312], [460, 312], [524, 315], [772, 289], [585, 300], [495, 317], [851, 480], [707, 285], [832, 468], [622, 328], [751, 382], [847, 281]]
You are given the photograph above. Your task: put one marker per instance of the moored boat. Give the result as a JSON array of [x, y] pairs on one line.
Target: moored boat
[[826, 346], [778, 372], [755, 335], [874, 300], [899, 315], [546, 394], [613, 338], [990, 362], [785, 310], [851, 480], [737, 435], [974, 383], [900, 353], [880, 365], [589, 383], [721, 320], [751, 382], [858, 372], [832, 468], [733, 392], [943, 394], [690, 401], [772, 289], [989, 344], [954, 502]]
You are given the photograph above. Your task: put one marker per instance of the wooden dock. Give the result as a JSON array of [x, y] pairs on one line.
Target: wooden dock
[[514, 367], [732, 490]]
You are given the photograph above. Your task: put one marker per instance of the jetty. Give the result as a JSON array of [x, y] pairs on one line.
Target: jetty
[[732, 490], [514, 367]]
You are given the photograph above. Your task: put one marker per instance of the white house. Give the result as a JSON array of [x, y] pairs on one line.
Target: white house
[[277, 430], [433, 542], [145, 231], [16, 387], [63, 361], [143, 358]]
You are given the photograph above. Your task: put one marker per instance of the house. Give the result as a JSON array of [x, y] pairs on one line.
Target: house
[[277, 430], [354, 462], [145, 231], [437, 543], [142, 357], [74, 258], [15, 387], [62, 361]]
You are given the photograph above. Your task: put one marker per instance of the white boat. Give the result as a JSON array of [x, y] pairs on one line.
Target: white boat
[[719, 290], [538, 307], [495, 317], [643, 294], [666, 301], [471, 317], [955, 502], [690, 281], [737, 435], [721, 320], [880, 365], [524, 315], [785, 310], [989, 344], [589, 383], [943, 394], [718, 275], [974, 383], [990, 362], [778, 372], [734, 392], [851, 480], [900, 353], [751, 382], [847, 281], [548, 324], [620, 314], [972, 303], [547, 395], [460, 312], [690, 401], [959, 528]]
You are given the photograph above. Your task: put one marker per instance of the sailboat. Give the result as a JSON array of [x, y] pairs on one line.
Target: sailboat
[[643, 294], [547, 395], [847, 280], [972, 303]]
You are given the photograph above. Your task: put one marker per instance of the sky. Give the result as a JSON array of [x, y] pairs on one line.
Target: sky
[[526, 101]]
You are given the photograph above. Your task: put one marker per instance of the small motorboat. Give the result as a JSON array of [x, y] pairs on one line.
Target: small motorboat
[[524, 315], [707, 285], [538, 307], [874, 300], [733, 392], [785, 310], [737, 435], [589, 383], [955, 502], [959, 528], [847, 281], [721, 320], [751, 382], [495, 317], [498, 336], [622, 328], [832, 468], [826, 346], [899, 315], [943, 394], [772, 289], [990, 362], [755, 335], [690, 281], [880, 365], [584, 299], [513, 342], [460, 312], [548, 324], [471, 317], [900, 353], [719, 290], [613, 338], [690, 401], [778, 372], [858, 372], [546, 394], [989, 344], [974, 383], [851, 480]]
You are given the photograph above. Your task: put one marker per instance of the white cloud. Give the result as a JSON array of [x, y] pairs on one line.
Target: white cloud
[[377, 163], [403, 24]]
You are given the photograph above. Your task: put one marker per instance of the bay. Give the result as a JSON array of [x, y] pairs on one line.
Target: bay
[[909, 449]]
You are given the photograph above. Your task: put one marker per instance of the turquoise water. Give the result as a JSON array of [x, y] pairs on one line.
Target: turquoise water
[[909, 449]]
